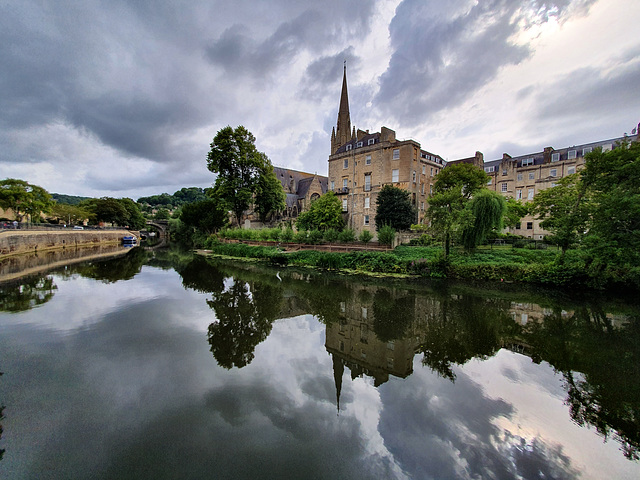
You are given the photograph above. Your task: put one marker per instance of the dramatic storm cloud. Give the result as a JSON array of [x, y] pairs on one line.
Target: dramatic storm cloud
[[123, 98]]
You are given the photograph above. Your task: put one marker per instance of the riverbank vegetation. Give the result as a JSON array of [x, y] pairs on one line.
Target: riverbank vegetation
[[499, 264]]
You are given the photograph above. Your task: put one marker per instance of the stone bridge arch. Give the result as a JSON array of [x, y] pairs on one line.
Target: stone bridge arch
[[161, 225]]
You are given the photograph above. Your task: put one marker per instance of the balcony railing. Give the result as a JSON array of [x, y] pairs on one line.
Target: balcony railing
[[341, 191]]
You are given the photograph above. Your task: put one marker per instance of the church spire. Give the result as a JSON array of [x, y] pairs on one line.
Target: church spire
[[343, 129], [338, 371]]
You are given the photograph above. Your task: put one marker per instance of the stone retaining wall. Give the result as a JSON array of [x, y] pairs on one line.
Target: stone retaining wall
[[13, 242]]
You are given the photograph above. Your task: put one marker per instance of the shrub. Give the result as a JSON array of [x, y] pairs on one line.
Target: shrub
[[264, 234], [386, 235], [365, 236], [331, 235], [330, 261], [423, 240], [300, 237], [275, 234], [347, 235], [314, 237], [287, 234]]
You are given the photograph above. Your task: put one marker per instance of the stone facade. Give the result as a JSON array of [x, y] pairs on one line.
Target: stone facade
[[300, 188], [524, 176], [361, 163]]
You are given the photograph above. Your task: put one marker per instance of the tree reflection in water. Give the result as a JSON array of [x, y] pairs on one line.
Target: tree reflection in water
[[26, 293], [245, 314], [601, 367], [376, 328], [245, 310], [114, 269]]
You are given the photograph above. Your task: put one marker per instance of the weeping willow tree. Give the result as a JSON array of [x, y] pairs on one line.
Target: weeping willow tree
[[487, 208]]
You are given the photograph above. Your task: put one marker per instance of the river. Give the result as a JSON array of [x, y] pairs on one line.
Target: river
[[166, 365]]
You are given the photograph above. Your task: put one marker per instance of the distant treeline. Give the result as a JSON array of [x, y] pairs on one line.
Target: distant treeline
[[181, 197], [68, 199]]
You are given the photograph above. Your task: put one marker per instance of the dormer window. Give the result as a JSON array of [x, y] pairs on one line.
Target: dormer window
[[358, 145], [527, 161], [555, 157], [371, 141], [571, 154], [348, 147], [586, 150]]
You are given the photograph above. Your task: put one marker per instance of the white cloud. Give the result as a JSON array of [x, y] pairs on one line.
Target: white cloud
[[124, 99]]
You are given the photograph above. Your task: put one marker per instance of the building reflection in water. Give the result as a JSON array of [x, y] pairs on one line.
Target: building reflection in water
[[375, 330]]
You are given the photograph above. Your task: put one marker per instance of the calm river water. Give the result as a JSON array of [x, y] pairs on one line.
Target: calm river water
[[165, 365]]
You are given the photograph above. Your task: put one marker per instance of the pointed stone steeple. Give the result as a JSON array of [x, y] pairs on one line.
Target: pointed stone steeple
[[343, 129], [338, 371]]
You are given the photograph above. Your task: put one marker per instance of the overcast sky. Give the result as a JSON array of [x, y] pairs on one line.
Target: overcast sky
[[123, 98]]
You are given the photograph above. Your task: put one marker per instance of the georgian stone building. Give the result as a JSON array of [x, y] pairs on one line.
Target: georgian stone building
[[361, 163], [524, 176]]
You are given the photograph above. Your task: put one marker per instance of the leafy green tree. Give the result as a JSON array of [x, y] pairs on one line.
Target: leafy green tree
[[162, 214], [487, 208], [180, 197], [208, 216], [454, 187], [563, 210], [68, 199], [324, 213], [68, 213], [134, 219], [188, 195], [24, 199], [613, 180], [239, 166], [106, 209], [269, 195], [123, 212], [394, 208], [515, 210]]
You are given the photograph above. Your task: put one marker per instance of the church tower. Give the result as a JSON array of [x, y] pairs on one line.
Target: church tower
[[341, 134]]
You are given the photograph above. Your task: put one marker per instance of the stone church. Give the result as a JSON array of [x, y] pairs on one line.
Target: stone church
[[361, 163]]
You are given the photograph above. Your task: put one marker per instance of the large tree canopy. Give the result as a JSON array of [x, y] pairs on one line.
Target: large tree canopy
[[563, 210], [269, 194], [394, 209], [23, 198], [454, 187], [242, 172], [613, 181], [123, 212], [207, 216]]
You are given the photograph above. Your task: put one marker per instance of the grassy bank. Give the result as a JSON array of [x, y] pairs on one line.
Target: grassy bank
[[543, 267]]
